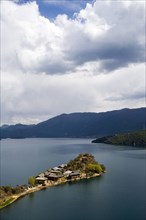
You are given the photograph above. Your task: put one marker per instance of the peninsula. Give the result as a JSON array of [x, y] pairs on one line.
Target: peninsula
[[84, 166], [136, 139]]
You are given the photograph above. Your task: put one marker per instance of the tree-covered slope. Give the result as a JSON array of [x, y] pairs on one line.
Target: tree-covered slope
[[137, 138], [85, 163]]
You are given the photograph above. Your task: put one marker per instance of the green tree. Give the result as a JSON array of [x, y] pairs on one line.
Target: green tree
[[94, 168], [103, 167], [31, 180]]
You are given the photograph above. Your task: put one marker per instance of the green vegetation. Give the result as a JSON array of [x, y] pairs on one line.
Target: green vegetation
[[7, 202], [94, 168], [103, 167], [82, 167], [7, 193], [137, 139], [86, 163], [8, 190], [132, 139], [31, 180]]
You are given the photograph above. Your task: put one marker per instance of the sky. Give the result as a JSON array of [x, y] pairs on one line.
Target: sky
[[70, 56]]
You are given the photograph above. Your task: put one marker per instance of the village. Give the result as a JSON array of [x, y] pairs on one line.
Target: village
[[58, 173], [84, 166]]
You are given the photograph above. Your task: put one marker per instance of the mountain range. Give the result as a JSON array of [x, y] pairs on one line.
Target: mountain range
[[76, 125]]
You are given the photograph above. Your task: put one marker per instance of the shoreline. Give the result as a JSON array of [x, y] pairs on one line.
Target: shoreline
[[13, 198]]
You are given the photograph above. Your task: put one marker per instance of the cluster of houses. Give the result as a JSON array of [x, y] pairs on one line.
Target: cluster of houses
[[56, 173]]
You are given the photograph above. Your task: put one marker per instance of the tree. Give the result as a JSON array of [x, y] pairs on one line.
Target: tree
[[31, 180], [103, 167], [96, 168]]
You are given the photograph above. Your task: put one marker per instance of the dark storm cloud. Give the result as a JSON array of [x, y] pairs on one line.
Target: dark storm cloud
[[107, 33], [112, 56], [117, 47], [117, 56]]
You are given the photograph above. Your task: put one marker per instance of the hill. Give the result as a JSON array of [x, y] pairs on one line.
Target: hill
[[137, 139], [86, 163], [80, 125]]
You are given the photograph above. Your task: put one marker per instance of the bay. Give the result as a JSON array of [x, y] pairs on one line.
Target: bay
[[118, 194]]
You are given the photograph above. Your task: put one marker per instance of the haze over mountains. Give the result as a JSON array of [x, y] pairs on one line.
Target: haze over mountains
[[80, 125]]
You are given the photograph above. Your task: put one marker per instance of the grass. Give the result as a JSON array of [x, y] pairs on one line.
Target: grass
[[7, 202]]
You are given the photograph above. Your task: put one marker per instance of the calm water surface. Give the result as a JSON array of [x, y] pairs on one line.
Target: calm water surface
[[120, 194]]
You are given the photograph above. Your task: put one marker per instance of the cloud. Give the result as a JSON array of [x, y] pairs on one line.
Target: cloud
[[29, 98], [100, 33], [55, 66], [113, 44], [124, 96]]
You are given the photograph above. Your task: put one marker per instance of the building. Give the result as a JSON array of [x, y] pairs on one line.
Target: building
[[67, 173], [74, 175], [62, 166], [41, 180], [55, 177]]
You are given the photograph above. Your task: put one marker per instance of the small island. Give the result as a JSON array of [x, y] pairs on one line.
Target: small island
[[136, 139], [84, 166]]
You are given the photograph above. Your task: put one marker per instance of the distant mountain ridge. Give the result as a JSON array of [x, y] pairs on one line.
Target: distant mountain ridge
[[81, 125]]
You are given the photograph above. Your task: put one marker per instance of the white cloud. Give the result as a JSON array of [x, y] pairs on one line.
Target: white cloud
[[31, 98], [50, 67], [100, 32]]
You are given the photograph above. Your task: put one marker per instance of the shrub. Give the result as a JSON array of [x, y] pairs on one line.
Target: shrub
[[96, 168], [31, 180], [103, 167], [8, 189]]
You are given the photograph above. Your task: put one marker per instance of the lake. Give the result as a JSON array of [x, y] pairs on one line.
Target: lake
[[119, 194]]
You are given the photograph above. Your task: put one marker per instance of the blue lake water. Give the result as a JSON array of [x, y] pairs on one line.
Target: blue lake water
[[119, 194]]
